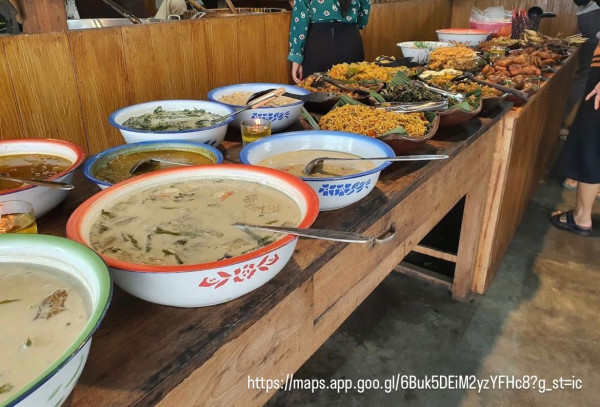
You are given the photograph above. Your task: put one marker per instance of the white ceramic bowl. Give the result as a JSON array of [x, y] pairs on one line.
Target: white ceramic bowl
[[198, 285], [469, 36], [52, 386], [333, 192], [420, 53], [106, 156], [212, 135], [43, 199], [281, 117]]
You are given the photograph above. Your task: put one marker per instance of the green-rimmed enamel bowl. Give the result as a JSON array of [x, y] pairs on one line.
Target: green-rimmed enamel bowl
[[52, 386]]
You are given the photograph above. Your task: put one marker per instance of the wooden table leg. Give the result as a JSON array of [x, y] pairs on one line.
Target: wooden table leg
[[469, 238]]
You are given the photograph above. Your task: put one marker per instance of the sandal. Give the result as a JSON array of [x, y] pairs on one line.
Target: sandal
[[569, 183], [569, 225]]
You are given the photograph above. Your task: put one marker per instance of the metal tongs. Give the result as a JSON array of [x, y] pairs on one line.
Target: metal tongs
[[457, 96], [505, 89], [325, 234], [359, 91], [119, 9], [314, 97], [403, 107]]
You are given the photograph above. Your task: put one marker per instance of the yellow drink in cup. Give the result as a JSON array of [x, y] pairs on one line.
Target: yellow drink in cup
[[17, 217], [254, 129]]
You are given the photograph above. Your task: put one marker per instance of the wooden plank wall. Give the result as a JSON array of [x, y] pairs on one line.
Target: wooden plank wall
[[64, 85], [391, 23], [564, 23]]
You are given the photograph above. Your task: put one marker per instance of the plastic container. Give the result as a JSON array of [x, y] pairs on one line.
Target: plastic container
[[496, 29]]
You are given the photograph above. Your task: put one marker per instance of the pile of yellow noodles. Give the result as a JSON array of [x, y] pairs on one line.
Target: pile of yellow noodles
[[360, 71], [372, 122], [461, 58]]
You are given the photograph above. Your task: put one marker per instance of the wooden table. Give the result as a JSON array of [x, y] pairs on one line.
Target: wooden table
[[522, 155], [147, 354]]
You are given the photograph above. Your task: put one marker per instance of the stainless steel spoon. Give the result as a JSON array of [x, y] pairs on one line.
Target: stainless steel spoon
[[317, 163], [148, 162], [40, 183], [324, 234]]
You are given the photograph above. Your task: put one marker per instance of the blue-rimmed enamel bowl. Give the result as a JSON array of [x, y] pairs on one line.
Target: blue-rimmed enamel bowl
[[52, 386], [211, 135], [281, 117], [171, 147], [333, 192]]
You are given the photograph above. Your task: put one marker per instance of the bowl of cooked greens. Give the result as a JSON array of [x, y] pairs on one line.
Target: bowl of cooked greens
[[419, 50], [190, 120]]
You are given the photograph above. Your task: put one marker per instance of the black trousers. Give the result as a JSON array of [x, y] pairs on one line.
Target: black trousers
[[331, 43], [580, 156]]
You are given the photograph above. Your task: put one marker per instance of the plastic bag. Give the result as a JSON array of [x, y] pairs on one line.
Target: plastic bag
[[491, 15]]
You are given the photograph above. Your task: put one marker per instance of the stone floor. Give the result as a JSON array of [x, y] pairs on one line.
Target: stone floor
[[539, 318]]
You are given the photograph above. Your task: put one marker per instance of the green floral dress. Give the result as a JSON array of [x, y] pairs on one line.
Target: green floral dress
[[306, 12]]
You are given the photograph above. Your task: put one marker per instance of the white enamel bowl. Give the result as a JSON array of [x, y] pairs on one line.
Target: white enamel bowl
[[211, 135], [94, 163], [43, 199], [333, 192], [469, 36], [281, 117], [52, 386], [198, 285], [420, 55]]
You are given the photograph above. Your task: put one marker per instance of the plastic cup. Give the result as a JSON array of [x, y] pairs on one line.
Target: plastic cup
[[17, 217], [255, 129]]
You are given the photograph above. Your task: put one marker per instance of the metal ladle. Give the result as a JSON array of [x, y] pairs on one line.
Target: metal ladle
[[149, 162], [258, 102], [40, 183], [317, 163], [324, 234]]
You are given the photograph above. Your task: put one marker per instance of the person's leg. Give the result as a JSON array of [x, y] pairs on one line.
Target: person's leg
[[582, 214], [586, 195]]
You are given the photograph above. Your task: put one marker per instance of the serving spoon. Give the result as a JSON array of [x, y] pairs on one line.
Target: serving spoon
[[258, 102], [149, 162], [325, 234], [49, 184], [317, 163]]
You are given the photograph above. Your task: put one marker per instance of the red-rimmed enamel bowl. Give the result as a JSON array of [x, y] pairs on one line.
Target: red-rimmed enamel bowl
[[198, 285], [43, 199], [468, 36]]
